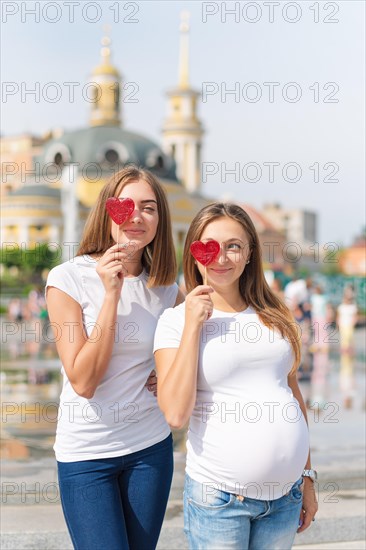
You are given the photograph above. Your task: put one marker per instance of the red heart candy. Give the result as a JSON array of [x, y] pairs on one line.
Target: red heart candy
[[205, 253], [119, 210]]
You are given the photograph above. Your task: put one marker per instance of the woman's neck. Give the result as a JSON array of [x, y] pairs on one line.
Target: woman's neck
[[228, 301], [134, 268], [134, 263]]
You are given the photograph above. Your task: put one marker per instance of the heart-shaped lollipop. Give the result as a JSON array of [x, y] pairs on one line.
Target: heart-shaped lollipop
[[205, 253], [120, 210]]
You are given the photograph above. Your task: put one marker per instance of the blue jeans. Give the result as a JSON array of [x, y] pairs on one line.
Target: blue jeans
[[117, 503], [216, 519]]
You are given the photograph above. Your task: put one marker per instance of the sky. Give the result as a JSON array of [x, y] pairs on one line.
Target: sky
[[292, 129]]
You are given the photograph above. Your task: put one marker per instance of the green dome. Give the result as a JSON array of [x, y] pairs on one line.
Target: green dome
[[110, 147], [36, 191]]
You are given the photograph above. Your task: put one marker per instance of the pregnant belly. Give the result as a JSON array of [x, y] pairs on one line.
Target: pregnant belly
[[258, 459]]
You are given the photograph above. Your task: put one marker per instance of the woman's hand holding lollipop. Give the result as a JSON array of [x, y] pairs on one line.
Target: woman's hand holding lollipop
[[198, 302], [110, 266]]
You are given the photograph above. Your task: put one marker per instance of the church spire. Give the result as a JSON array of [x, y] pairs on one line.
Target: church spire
[[183, 81], [105, 89], [105, 51], [182, 130]]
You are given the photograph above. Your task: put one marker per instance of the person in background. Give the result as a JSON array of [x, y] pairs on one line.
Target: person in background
[[276, 287], [305, 369], [346, 320], [113, 446], [15, 310], [320, 346], [226, 360], [296, 292]]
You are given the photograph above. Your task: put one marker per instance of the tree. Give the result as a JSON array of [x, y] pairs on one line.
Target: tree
[[30, 262]]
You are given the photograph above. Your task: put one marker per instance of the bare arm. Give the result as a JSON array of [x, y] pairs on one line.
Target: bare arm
[[86, 359], [177, 368], [310, 504]]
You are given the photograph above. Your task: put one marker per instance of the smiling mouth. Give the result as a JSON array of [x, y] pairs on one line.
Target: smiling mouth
[[220, 270], [134, 231]]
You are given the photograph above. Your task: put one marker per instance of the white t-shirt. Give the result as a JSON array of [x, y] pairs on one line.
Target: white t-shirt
[[123, 416], [295, 292], [247, 434], [319, 306], [346, 315]]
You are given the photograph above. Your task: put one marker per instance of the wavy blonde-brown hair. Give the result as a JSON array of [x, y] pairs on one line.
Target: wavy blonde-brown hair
[[253, 286], [158, 257]]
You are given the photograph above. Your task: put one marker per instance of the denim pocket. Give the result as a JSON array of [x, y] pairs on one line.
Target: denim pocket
[[207, 495], [296, 490]]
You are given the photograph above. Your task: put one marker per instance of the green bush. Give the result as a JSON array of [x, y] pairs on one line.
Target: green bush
[[30, 263]]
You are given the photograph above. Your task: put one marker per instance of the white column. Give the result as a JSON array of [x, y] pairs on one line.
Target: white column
[[193, 184], [179, 159], [69, 208], [24, 234], [55, 234]]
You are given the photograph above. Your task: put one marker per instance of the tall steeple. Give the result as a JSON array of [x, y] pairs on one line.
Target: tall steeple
[[182, 130], [183, 82], [105, 86]]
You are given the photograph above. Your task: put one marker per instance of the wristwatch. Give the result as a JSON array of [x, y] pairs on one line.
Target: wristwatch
[[313, 474]]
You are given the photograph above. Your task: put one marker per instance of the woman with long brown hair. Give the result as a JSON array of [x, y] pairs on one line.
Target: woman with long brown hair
[[227, 360], [113, 445]]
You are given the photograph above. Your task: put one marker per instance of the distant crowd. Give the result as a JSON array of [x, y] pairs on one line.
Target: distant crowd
[[33, 307], [322, 325]]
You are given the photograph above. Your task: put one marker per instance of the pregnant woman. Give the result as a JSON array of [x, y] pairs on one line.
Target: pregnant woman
[[227, 360]]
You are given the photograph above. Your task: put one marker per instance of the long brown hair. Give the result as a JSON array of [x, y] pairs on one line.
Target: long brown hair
[[158, 257], [253, 286]]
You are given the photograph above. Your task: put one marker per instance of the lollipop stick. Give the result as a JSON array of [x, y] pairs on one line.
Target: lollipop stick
[[205, 276]]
